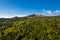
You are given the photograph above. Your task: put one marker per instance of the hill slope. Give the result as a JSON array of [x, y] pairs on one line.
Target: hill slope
[[26, 28]]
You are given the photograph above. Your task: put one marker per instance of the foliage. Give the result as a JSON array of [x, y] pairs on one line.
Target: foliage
[[30, 28]]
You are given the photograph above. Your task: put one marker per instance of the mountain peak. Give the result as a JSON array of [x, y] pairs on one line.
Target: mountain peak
[[36, 15]]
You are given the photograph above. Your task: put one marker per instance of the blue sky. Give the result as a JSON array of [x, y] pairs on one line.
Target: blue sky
[[11, 8]]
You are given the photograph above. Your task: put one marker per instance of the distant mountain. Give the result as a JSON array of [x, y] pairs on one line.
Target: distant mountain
[[35, 15], [58, 15]]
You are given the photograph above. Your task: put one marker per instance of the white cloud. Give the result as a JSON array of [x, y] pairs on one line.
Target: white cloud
[[49, 12], [57, 11], [43, 12], [9, 16]]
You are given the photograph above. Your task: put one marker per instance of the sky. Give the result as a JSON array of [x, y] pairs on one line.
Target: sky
[[20, 8]]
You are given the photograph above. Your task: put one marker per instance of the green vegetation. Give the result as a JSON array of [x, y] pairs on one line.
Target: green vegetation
[[30, 28]]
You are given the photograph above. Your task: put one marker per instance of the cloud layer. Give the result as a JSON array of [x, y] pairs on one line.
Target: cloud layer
[[43, 12], [9, 16], [50, 12]]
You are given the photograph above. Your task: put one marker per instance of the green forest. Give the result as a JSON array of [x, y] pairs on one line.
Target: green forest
[[30, 28]]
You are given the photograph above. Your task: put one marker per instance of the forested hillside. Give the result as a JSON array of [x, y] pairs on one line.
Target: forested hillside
[[30, 28]]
